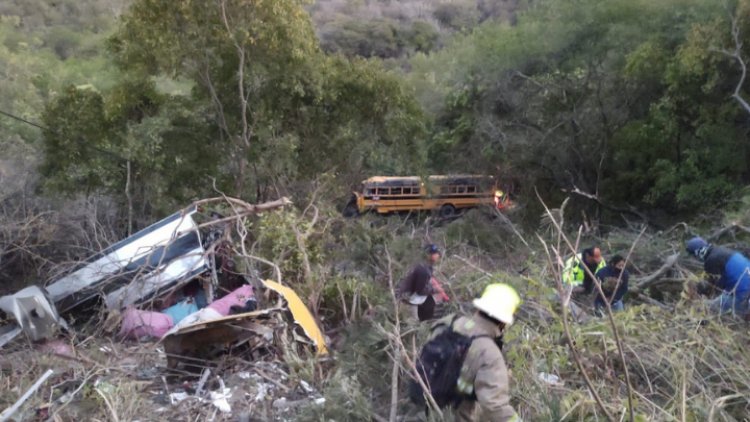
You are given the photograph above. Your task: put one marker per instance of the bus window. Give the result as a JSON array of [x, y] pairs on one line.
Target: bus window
[[461, 189], [370, 192], [395, 191], [407, 191], [382, 191], [471, 189], [445, 189]]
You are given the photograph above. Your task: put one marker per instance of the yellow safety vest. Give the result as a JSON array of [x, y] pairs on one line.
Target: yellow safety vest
[[574, 273]]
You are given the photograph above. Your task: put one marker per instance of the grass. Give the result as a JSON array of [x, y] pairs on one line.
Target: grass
[[684, 364]]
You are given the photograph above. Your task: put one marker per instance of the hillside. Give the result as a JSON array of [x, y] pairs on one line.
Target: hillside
[[616, 123]]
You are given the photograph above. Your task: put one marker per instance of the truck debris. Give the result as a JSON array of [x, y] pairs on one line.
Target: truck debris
[[158, 259]]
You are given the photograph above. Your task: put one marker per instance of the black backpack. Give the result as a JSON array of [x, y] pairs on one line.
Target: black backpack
[[439, 366]]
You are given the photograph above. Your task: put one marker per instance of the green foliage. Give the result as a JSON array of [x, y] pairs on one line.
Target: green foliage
[[457, 16], [43, 49], [80, 138], [475, 228], [263, 104], [383, 38], [593, 95], [423, 37], [305, 112], [688, 152], [93, 139], [367, 39], [278, 242]]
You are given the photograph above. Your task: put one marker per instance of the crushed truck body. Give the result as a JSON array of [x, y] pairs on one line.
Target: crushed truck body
[[162, 284], [138, 267], [129, 272]]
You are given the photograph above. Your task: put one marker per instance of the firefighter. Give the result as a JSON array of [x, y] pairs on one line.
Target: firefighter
[[483, 387]]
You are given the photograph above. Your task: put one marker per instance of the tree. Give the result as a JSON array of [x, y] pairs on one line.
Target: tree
[[265, 105], [590, 95], [248, 58]]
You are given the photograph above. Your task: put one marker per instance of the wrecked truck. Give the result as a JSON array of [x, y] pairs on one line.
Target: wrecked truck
[[159, 260], [131, 270]]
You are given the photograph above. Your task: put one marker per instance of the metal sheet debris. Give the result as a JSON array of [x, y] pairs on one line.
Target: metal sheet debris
[[33, 312], [301, 314], [204, 340], [130, 271], [137, 267]]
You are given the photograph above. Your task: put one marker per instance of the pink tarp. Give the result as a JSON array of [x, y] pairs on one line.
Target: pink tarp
[[236, 298], [137, 324]]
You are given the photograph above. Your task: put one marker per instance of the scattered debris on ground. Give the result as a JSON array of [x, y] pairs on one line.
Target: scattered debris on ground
[[177, 322]]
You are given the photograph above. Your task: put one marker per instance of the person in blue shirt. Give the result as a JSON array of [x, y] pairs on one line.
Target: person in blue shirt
[[614, 280], [733, 269]]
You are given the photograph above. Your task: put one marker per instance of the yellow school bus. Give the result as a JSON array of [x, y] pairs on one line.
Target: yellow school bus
[[445, 194]]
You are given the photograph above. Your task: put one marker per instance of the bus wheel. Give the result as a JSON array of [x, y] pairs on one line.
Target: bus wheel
[[447, 211], [350, 211]]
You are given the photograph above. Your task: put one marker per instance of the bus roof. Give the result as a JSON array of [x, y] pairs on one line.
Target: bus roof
[[415, 180]]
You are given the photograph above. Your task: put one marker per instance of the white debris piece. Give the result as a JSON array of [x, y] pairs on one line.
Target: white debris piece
[[176, 398], [219, 399], [263, 390], [306, 386], [550, 379]]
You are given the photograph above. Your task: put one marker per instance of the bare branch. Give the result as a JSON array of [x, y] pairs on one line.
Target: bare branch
[[247, 131], [646, 282], [629, 210], [565, 299], [736, 54]]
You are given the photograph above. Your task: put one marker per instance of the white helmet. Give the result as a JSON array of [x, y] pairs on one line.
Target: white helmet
[[500, 301]]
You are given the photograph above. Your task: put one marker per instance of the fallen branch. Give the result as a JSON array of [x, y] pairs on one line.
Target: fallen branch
[[732, 228], [7, 413], [90, 375], [512, 226], [646, 282], [652, 301], [249, 209], [108, 403]]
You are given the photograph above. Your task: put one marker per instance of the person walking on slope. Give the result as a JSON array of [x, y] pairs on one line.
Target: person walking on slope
[[462, 361], [614, 280], [734, 270], [419, 291]]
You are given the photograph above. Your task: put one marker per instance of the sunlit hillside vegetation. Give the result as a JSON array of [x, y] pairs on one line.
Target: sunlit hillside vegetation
[[628, 119]]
